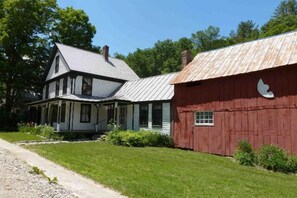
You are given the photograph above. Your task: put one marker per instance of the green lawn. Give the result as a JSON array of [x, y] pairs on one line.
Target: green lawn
[[17, 136], [162, 172]]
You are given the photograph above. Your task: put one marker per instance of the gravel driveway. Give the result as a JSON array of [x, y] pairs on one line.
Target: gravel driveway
[[17, 182]]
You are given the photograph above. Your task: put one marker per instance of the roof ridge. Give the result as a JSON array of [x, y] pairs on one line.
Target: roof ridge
[[159, 75], [247, 42], [86, 50]]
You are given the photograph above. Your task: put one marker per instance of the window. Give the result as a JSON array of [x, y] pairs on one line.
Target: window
[[110, 113], [46, 91], [85, 113], [87, 86], [72, 86], [157, 115], [204, 118], [143, 115], [57, 64], [65, 85], [63, 112], [57, 87]]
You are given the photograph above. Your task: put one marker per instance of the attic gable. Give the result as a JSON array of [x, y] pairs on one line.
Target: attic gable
[[62, 66]]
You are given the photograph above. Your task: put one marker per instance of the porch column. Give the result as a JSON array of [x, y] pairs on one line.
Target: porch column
[[46, 114], [36, 116], [59, 115], [97, 120], [29, 115], [69, 115], [115, 117]]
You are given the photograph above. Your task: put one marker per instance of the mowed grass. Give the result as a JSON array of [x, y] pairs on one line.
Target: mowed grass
[[17, 136], [163, 172]]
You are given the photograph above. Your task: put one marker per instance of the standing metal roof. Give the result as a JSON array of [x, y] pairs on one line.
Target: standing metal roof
[[147, 89], [94, 63], [242, 58]]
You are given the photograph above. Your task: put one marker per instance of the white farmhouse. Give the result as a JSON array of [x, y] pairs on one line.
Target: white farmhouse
[[85, 91]]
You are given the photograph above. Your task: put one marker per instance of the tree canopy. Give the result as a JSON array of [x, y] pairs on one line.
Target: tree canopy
[[165, 56], [28, 29]]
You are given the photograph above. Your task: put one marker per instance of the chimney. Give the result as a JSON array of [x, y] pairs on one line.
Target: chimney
[[186, 58], [105, 52]]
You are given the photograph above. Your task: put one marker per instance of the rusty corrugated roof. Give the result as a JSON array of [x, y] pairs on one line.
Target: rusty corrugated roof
[[242, 58]]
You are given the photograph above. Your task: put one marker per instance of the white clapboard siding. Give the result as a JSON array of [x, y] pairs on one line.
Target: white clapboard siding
[[77, 125], [103, 88], [166, 123], [63, 68], [78, 84], [52, 90]]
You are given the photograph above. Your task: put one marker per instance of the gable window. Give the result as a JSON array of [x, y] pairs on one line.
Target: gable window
[[85, 113], [63, 112], [143, 115], [57, 64], [87, 86], [57, 87], [157, 115], [65, 85], [204, 118]]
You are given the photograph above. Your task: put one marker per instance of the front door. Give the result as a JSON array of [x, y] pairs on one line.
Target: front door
[[123, 117]]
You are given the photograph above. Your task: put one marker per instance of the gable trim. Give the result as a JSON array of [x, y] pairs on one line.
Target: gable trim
[[77, 73]]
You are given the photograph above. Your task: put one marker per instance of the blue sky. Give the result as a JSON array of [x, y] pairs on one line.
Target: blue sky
[[126, 25]]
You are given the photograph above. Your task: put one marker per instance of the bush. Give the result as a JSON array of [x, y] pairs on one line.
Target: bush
[[245, 154], [139, 138], [42, 130], [292, 164], [273, 158]]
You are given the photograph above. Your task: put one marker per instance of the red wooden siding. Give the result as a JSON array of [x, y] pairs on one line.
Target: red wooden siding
[[239, 112]]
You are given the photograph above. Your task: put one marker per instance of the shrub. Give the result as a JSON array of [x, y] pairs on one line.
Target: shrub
[[292, 164], [245, 154], [42, 130], [139, 138], [26, 128], [273, 158]]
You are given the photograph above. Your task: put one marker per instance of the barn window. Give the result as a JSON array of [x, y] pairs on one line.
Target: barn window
[[57, 64], [157, 115], [57, 87], [85, 113], [65, 85], [143, 115], [204, 118], [87, 86]]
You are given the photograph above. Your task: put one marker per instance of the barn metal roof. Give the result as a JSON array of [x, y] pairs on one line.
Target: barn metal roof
[[267, 53], [94, 63], [153, 88]]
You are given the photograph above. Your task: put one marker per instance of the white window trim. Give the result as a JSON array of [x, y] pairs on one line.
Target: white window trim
[[203, 124]]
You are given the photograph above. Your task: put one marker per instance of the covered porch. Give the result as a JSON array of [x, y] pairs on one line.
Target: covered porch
[[78, 113]]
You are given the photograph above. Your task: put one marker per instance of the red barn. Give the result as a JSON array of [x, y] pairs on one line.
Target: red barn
[[246, 91]]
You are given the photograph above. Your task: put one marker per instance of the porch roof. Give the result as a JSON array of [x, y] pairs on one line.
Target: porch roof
[[82, 98]]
